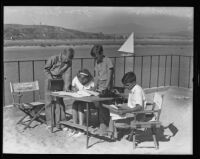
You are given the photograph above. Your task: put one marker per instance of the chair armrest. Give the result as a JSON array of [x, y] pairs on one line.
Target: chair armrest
[[149, 103], [17, 94], [146, 111]]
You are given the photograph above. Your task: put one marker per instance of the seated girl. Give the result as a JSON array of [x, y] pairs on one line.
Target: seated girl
[[82, 81]]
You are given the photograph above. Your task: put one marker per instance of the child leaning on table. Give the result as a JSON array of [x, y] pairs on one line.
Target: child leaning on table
[[82, 81]]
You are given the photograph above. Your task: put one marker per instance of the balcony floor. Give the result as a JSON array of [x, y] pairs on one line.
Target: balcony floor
[[176, 116]]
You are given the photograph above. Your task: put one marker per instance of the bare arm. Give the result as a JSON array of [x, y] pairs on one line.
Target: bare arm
[[129, 110], [110, 72], [47, 68], [67, 78]]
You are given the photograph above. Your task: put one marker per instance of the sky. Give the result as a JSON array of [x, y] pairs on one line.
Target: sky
[[89, 18]]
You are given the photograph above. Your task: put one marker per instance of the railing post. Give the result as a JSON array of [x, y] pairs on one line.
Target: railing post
[[134, 64], [18, 64], [189, 72], [171, 71], [178, 70], [141, 69], [150, 72], [114, 73], [33, 78], [4, 92], [71, 72], [165, 69], [158, 70], [81, 63], [94, 66], [124, 64]]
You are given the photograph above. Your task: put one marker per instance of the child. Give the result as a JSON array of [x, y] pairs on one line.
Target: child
[[57, 67], [82, 81], [103, 81], [136, 99]]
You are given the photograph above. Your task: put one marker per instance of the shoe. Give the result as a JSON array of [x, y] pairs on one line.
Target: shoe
[[77, 134], [101, 133], [48, 127], [73, 132], [65, 129]]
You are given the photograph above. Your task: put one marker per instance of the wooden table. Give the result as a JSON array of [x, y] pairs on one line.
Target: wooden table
[[88, 100]]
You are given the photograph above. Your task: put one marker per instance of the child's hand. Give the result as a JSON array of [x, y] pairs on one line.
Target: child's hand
[[74, 89], [93, 88]]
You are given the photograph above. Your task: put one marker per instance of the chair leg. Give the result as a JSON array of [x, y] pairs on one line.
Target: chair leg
[[132, 134], [33, 118], [153, 129], [89, 116], [20, 121], [134, 144], [40, 119], [114, 131]]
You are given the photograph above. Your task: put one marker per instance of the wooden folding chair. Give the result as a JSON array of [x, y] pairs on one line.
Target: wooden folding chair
[[32, 110], [153, 124], [147, 118]]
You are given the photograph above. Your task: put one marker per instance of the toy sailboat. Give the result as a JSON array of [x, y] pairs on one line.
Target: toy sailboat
[[128, 46]]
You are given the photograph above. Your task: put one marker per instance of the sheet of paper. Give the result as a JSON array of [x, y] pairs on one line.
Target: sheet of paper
[[116, 116], [113, 106], [72, 94], [84, 93], [92, 92]]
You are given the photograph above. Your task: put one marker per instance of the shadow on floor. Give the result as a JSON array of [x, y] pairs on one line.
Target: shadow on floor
[[146, 135]]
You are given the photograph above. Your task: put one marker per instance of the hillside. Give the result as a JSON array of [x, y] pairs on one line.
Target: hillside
[[18, 31]]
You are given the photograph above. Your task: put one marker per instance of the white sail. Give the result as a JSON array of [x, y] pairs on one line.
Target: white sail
[[128, 45]]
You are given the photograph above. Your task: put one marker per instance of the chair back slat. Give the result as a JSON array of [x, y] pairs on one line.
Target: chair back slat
[[149, 106], [158, 100], [24, 87]]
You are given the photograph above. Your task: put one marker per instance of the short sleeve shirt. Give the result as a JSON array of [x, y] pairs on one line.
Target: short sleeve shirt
[[136, 96], [76, 83], [102, 68]]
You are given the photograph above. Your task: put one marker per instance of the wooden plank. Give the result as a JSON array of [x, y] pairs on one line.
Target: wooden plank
[[145, 124], [82, 127]]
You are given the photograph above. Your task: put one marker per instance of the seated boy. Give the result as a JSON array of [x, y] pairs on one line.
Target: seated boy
[[82, 81], [136, 97]]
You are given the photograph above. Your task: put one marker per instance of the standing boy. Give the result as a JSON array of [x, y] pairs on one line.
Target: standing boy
[[102, 81], [57, 67]]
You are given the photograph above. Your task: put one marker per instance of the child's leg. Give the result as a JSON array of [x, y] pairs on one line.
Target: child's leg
[[75, 112], [81, 108]]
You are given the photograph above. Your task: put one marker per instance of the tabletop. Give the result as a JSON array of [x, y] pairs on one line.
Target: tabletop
[[85, 99]]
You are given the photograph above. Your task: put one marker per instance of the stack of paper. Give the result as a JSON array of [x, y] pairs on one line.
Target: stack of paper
[[116, 116]]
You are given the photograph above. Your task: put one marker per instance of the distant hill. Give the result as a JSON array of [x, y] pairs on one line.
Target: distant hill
[[22, 32], [18, 31]]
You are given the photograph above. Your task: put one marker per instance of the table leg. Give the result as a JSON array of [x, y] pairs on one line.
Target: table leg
[[52, 114], [87, 122]]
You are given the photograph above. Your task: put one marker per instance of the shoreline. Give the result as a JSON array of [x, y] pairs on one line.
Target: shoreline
[[88, 42]]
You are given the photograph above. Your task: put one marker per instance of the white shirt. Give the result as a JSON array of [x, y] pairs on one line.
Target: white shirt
[[136, 96], [76, 83]]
